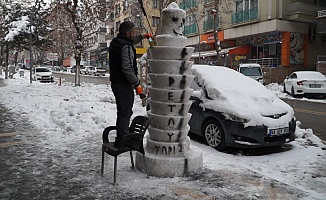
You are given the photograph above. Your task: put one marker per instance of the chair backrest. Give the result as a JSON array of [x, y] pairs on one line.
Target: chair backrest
[[139, 125]]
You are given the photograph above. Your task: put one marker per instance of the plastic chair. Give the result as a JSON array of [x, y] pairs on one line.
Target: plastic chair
[[131, 142]]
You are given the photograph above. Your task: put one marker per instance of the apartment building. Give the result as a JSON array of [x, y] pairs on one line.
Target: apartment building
[[270, 32], [130, 10]]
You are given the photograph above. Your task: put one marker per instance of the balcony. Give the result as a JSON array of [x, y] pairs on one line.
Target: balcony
[[321, 22], [209, 24], [245, 15], [190, 29], [188, 4], [303, 12]]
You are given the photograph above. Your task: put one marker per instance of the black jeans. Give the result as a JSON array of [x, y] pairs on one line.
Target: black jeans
[[124, 97]]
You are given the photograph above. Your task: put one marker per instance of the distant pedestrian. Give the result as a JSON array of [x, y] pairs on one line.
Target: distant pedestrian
[[124, 74]]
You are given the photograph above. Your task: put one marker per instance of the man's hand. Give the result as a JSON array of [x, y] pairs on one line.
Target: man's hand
[[139, 90], [148, 35]]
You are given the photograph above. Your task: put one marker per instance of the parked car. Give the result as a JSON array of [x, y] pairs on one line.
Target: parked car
[[43, 74], [73, 69], [305, 83], [87, 70], [230, 109], [252, 70], [98, 71], [56, 68]]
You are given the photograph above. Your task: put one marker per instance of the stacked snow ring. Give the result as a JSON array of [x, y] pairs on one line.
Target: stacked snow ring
[[168, 151]]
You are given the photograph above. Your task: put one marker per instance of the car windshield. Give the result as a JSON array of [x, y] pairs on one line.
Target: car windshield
[[43, 70], [251, 71]]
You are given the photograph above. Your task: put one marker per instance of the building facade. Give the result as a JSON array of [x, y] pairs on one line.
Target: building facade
[[272, 33]]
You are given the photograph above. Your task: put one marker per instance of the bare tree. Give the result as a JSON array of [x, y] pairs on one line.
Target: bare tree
[[85, 16]]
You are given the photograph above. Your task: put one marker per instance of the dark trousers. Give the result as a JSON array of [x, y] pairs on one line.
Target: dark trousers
[[124, 97]]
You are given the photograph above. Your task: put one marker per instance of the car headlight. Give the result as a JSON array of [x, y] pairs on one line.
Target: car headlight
[[235, 118]]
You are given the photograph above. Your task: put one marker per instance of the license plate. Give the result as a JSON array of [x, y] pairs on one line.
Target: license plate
[[277, 131], [315, 85]]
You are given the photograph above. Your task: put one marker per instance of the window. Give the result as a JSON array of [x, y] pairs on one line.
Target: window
[[155, 21], [245, 10], [117, 24], [293, 76], [125, 5], [117, 9], [156, 4]]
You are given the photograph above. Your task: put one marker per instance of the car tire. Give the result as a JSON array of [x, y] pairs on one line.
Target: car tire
[[213, 134]]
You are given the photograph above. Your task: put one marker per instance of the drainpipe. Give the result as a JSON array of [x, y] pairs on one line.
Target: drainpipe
[[270, 5], [280, 9]]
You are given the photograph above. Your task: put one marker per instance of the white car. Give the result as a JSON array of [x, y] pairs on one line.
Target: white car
[[305, 83], [87, 70], [43, 74], [98, 71], [252, 70]]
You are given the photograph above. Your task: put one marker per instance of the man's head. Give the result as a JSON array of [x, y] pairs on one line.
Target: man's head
[[127, 29]]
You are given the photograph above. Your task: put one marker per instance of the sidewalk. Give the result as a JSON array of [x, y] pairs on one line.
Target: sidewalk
[[60, 156]]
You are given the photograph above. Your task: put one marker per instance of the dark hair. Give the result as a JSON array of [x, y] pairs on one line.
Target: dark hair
[[126, 27]]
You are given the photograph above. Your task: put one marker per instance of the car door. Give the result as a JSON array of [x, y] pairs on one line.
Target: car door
[[289, 82]]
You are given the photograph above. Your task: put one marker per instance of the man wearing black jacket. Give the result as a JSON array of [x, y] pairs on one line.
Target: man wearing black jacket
[[123, 74]]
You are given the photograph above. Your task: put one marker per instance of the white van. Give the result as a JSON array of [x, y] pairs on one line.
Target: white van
[[252, 70]]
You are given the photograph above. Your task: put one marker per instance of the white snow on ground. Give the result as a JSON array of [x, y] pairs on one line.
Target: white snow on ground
[[66, 115]]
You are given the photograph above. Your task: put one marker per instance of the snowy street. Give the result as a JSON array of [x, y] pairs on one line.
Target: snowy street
[[58, 154]]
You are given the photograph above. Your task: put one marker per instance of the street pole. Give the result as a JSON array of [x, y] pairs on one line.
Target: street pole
[[216, 12], [30, 49]]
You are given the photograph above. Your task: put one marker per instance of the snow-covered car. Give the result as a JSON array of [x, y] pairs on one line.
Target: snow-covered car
[[305, 83], [230, 109], [99, 71], [43, 74]]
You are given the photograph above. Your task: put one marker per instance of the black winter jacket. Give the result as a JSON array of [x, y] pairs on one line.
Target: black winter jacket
[[123, 65]]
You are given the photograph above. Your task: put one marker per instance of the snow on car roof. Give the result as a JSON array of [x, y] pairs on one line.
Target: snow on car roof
[[233, 93]]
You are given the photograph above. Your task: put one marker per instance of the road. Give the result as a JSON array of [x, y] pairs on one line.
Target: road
[[311, 115], [70, 77]]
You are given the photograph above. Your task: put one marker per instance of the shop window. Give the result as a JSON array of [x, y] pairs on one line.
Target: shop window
[[272, 49]]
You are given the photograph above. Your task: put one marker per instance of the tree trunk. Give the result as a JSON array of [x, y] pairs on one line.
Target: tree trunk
[[77, 74], [7, 58]]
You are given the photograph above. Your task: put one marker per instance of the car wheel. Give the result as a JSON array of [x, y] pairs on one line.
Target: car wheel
[[214, 135]]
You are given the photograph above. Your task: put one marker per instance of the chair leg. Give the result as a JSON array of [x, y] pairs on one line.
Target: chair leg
[[132, 160], [145, 165], [102, 165], [115, 170]]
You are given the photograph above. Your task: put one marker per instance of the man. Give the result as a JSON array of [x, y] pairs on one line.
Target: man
[[123, 74]]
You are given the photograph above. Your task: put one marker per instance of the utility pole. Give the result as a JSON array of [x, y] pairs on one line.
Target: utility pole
[[216, 13]]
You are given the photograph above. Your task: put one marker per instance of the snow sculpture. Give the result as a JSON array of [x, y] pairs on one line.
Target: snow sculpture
[[168, 151]]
